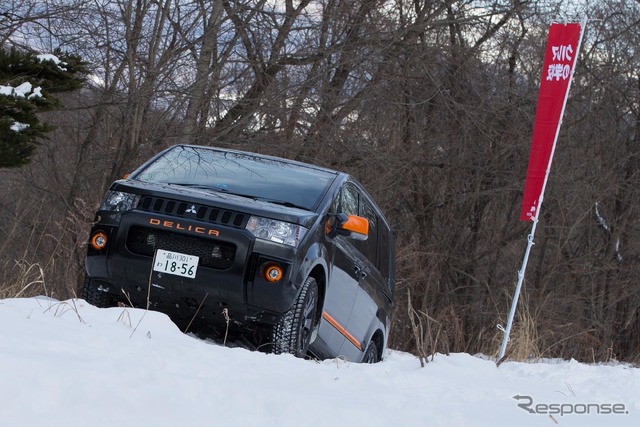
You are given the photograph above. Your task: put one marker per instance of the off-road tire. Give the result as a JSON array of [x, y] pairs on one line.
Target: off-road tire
[[292, 334], [92, 295]]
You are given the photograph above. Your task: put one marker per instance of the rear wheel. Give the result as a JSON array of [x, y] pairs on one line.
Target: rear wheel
[[371, 355], [292, 334], [92, 295]]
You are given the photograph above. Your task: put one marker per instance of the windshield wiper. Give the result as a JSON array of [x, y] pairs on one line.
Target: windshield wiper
[[284, 203], [194, 185], [212, 188], [248, 196]]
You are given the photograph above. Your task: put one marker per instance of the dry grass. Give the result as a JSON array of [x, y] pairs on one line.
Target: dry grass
[[28, 280], [61, 308], [35, 244], [523, 342]]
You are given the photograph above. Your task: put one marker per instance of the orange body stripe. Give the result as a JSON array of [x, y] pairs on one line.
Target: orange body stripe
[[333, 322]]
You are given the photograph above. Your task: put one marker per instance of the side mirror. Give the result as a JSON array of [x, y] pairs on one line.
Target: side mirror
[[353, 226]]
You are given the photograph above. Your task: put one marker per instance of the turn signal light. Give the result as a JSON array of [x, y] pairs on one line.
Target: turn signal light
[[272, 273], [99, 240]]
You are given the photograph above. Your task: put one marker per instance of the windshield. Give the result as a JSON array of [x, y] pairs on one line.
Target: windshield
[[243, 174]]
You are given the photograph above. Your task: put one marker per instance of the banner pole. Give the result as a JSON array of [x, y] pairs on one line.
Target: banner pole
[[516, 296], [514, 303]]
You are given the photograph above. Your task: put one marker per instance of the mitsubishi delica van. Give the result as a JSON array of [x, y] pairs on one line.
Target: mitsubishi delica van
[[287, 256]]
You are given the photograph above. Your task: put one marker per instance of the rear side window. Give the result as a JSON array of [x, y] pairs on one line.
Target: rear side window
[[383, 264]]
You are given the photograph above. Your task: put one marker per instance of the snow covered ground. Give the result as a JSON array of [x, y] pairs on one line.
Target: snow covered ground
[[71, 364]]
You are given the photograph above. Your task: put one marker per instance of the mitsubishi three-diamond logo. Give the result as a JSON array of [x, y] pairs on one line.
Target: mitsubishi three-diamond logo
[[192, 210]]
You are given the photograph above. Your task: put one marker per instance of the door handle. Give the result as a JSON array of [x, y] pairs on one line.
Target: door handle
[[360, 273]]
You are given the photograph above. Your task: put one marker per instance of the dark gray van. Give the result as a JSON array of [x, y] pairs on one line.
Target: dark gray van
[[291, 257]]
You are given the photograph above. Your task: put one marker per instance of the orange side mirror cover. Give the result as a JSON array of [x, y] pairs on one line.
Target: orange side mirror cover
[[358, 225]]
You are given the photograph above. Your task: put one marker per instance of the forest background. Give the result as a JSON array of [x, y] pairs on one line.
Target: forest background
[[429, 103]]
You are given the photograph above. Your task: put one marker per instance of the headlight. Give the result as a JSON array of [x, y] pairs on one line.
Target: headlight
[[276, 231], [117, 201]]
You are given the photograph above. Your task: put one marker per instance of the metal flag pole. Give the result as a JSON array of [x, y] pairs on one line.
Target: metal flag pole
[[514, 303]]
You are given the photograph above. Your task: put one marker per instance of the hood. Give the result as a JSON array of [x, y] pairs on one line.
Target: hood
[[218, 199]]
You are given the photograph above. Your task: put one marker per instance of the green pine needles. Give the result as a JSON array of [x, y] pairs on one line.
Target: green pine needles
[[27, 84]]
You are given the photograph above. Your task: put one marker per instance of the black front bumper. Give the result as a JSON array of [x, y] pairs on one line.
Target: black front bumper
[[227, 285]]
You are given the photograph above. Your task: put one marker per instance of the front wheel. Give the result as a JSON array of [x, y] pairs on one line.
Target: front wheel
[[292, 334], [92, 295]]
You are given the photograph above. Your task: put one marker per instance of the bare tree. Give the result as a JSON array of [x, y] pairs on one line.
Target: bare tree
[[429, 103]]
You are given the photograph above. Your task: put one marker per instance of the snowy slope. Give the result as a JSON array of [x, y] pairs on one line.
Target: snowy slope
[[71, 364]]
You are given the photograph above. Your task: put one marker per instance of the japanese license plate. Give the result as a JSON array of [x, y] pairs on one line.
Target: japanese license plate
[[175, 263]]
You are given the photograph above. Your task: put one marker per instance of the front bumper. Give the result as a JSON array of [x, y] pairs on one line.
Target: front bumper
[[227, 285]]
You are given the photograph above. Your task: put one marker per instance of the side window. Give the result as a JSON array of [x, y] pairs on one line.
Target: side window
[[352, 202], [349, 200], [369, 247]]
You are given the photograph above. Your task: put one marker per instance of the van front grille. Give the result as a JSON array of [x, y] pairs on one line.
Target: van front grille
[[194, 211], [213, 254]]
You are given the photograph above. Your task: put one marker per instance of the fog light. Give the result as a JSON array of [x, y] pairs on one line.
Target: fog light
[[272, 273], [99, 240]]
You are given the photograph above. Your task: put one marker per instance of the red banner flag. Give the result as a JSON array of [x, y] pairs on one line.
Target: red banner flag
[[559, 61]]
